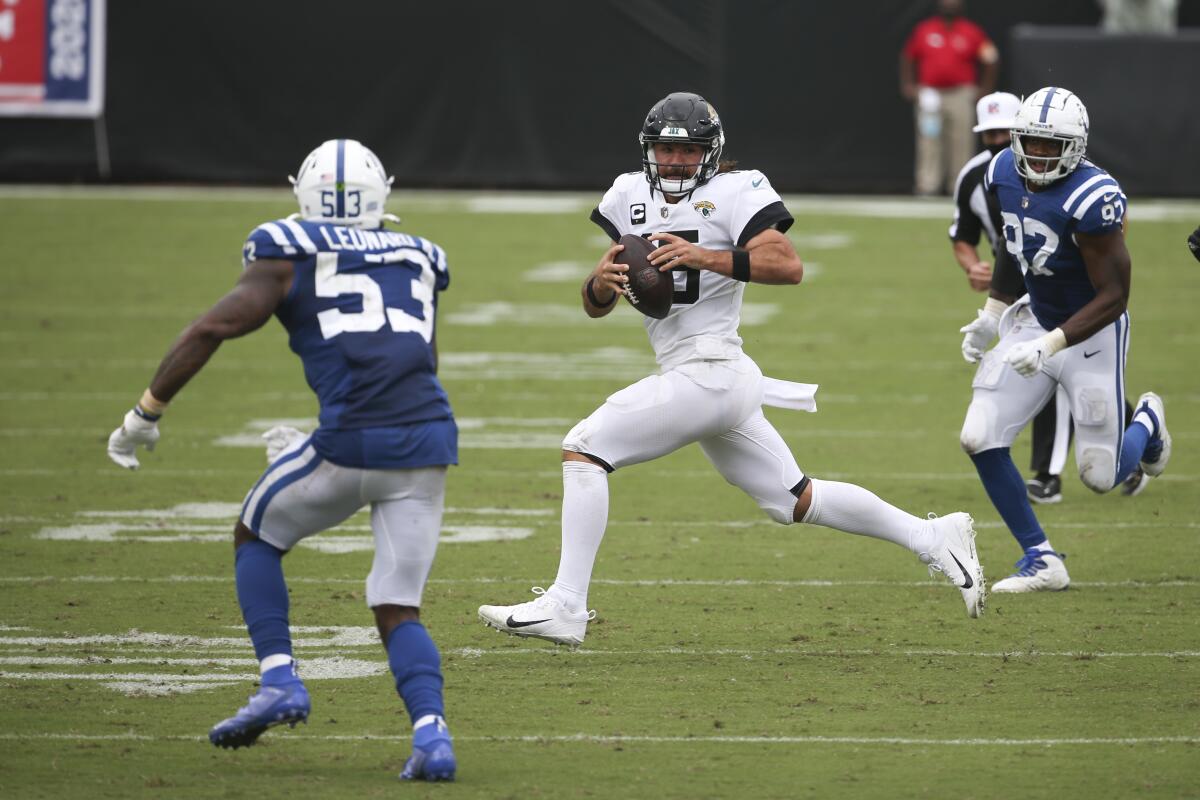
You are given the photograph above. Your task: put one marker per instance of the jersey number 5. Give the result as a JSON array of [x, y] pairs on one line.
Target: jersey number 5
[[690, 292], [331, 283], [1014, 240]]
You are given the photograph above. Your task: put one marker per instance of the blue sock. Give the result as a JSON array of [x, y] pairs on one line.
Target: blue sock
[[1006, 489], [1133, 446], [263, 596], [415, 662]]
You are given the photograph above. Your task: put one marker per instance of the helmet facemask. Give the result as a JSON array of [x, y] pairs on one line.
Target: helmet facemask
[[1059, 166], [1053, 114], [703, 171]]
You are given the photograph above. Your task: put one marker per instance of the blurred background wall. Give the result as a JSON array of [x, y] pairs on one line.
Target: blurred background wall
[[544, 94]]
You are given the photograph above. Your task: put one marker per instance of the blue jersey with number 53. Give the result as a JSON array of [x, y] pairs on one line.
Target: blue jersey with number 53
[[1039, 229], [360, 314]]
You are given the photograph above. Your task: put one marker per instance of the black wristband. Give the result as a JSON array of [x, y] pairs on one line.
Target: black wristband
[[741, 265], [591, 296]]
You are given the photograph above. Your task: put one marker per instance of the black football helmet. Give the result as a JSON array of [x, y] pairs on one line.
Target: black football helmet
[[682, 117]]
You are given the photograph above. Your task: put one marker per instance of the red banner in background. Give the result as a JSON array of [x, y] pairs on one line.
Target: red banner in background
[[51, 57]]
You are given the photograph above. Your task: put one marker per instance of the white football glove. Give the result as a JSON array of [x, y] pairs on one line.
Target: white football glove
[[979, 335], [123, 443], [280, 438], [1027, 358]]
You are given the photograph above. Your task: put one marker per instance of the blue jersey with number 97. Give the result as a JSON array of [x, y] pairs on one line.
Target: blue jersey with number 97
[[1039, 229], [360, 314]]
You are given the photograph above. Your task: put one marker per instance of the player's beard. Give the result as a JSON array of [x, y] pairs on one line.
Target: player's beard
[[998, 148]]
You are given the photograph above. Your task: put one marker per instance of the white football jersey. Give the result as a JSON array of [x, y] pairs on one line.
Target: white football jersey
[[724, 213]]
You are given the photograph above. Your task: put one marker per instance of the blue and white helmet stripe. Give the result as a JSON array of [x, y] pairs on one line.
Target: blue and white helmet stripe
[[342, 182], [340, 186]]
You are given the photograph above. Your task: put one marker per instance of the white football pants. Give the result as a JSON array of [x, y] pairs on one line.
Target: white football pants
[[1092, 373], [301, 494], [717, 404]]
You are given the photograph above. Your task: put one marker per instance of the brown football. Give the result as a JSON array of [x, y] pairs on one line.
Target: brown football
[[649, 291]]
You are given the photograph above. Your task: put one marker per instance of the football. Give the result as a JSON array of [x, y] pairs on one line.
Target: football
[[649, 291]]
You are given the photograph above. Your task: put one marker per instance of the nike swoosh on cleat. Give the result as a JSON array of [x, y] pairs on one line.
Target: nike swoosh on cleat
[[1089, 355], [970, 582], [512, 623]]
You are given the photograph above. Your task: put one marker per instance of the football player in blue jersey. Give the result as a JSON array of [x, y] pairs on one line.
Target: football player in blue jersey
[[358, 304], [1064, 225]]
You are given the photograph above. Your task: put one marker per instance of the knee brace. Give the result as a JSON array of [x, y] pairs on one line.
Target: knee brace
[[976, 434], [1097, 469]]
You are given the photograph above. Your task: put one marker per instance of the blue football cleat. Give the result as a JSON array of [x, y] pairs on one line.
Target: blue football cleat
[[273, 704], [432, 758]]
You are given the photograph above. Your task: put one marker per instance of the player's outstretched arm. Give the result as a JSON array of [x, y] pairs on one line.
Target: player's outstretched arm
[[245, 308], [769, 257], [606, 281]]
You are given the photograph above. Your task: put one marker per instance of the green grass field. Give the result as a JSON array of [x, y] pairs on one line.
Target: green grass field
[[730, 658]]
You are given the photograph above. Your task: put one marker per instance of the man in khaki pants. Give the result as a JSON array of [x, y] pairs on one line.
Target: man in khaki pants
[[940, 73]]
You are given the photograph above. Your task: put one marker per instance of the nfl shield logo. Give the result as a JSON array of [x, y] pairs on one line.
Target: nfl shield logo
[[1024, 202], [663, 211]]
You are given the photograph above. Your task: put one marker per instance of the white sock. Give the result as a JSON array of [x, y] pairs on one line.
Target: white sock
[[428, 719], [271, 662], [1045, 547], [1146, 421], [584, 518], [853, 509]]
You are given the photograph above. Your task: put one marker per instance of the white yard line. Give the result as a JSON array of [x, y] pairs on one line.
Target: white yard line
[[544, 202], [592, 738], [645, 582]]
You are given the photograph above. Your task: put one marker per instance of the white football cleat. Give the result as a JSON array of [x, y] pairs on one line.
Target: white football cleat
[[954, 556], [1037, 571], [1158, 449], [543, 618]]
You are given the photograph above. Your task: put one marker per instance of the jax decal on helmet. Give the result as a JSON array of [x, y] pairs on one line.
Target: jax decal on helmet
[[1050, 113]]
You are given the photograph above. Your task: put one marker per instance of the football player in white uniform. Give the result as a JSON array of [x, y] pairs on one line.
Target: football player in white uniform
[[717, 229]]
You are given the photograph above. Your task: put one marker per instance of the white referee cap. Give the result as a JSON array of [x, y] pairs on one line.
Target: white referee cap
[[996, 111]]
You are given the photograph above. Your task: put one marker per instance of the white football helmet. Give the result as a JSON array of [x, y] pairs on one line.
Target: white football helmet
[[342, 182], [1050, 113]]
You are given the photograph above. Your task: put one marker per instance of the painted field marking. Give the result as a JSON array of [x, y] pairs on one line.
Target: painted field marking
[[213, 523], [798, 583], [556, 315], [165, 649], [324, 651], [558, 272], [475, 433], [1147, 209], [592, 738]]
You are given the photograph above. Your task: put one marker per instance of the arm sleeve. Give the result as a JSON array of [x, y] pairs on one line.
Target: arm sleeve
[[277, 239], [1006, 275], [758, 207], [1102, 211], [608, 214], [441, 269], [965, 227]]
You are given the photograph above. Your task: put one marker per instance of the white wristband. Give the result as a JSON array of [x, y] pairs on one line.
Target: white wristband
[[1054, 341], [994, 308]]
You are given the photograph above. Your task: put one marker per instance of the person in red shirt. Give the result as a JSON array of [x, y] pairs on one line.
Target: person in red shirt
[[947, 64]]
